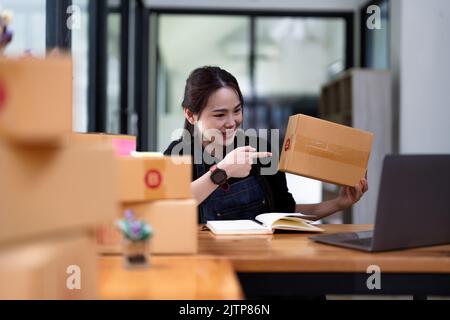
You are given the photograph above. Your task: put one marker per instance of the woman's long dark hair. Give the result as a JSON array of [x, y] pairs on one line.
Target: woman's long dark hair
[[201, 84]]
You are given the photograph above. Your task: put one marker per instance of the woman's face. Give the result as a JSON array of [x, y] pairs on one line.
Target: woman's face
[[222, 116]]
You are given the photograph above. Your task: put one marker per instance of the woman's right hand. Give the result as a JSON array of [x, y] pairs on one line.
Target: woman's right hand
[[238, 163]]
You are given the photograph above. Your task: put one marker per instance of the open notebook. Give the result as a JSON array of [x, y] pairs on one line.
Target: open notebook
[[265, 223]]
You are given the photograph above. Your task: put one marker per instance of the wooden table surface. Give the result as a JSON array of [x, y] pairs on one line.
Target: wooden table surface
[[169, 277], [294, 252], [212, 273]]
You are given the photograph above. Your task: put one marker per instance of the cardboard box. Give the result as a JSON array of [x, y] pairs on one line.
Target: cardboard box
[[40, 269], [123, 145], [47, 190], [35, 99], [325, 151], [154, 178], [174, 223]]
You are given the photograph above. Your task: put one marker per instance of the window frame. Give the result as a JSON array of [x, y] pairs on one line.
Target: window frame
[[363, 32], [146, 42]]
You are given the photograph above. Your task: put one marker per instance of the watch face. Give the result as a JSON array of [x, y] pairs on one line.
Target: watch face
[[219, 176]]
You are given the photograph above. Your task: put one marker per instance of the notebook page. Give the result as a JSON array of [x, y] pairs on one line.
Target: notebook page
[[237, 227], [294, 223], [287, 221], [269, 218]]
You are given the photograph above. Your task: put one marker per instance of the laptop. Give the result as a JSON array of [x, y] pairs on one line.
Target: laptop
[[413, 207]]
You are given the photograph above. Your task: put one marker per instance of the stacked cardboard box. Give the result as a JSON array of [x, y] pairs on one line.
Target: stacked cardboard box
[[53, 193], [157, 189], [62, 266], [35, 99], [174, 223], [43, 190], [122, 145]]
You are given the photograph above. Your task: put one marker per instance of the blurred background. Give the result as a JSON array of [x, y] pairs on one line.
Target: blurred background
[[322, 58]]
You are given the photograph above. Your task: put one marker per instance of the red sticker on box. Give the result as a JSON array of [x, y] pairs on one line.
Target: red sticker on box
[[287, 145], [153, 179], [2, 96]]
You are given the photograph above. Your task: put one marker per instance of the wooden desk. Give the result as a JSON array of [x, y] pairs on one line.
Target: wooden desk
[[169, 277], [291, 264], [283, 264]]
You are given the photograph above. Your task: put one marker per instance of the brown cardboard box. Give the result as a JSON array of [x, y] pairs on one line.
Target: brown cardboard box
[[46, 190], [154, 178], [122, 144], [325, 151], [174, 223], [40, 269], [35, 99]]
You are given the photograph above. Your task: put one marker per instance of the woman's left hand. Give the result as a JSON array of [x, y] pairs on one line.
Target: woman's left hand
[[348, 196]]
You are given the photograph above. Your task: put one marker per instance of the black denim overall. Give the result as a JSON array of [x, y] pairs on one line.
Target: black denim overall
[[245, 199]]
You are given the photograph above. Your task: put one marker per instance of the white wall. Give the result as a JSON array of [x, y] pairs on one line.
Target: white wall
[[421, 62]]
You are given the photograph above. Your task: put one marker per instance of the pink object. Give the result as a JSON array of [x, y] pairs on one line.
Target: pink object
[[123, 147]]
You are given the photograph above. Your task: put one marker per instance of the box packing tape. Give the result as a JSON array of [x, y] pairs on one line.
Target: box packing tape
[[334, 152]]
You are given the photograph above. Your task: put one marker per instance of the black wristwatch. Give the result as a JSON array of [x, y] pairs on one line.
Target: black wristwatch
[[218, 176]]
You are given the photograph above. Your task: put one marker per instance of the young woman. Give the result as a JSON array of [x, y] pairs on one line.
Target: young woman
[[228, 185]]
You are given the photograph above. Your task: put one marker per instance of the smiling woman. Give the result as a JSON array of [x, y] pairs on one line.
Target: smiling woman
[[213, 109], [234, 187], [214, 95], [222, 116]]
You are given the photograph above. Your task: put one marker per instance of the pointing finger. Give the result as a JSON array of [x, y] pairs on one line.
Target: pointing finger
[[246, 149], [254, 155]]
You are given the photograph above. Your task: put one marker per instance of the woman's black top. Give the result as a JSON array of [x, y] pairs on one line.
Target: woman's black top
[[273, 187]]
